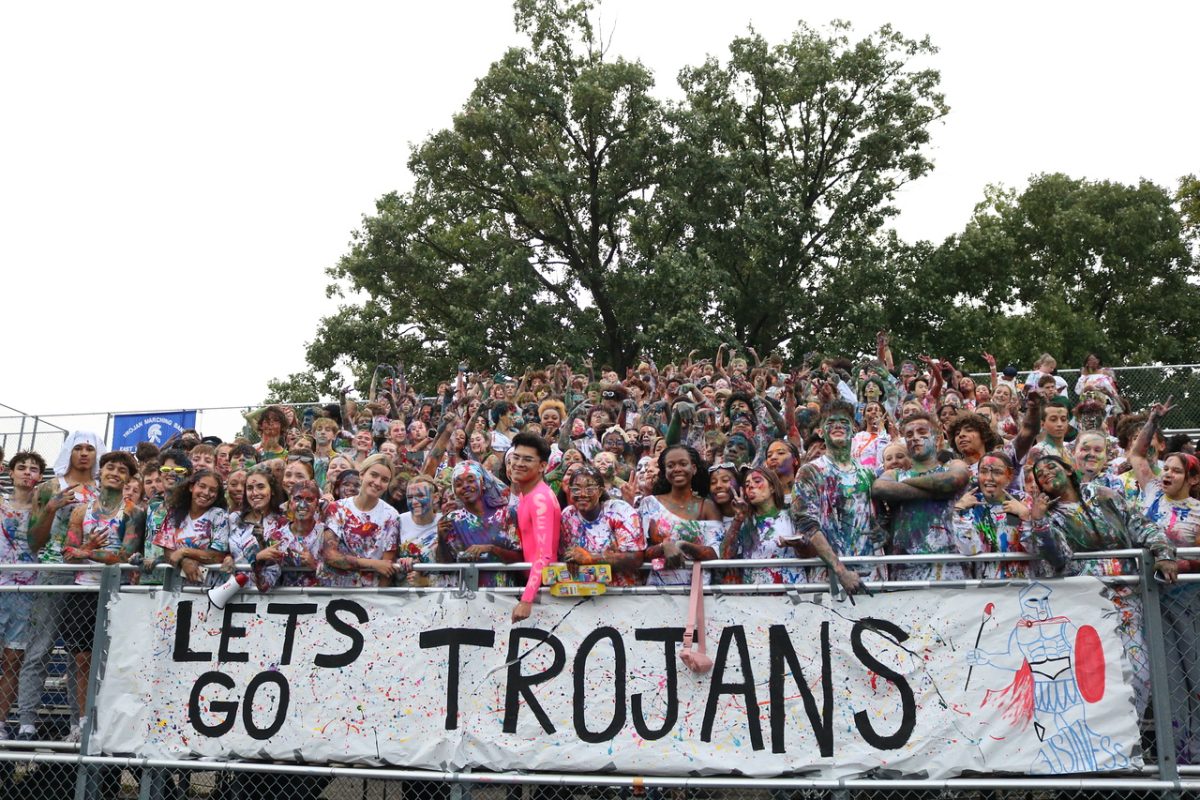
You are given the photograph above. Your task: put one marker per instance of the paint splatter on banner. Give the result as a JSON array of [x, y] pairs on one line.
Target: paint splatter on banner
[[1026, 678]]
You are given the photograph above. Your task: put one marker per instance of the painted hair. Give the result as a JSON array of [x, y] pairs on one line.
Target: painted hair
[[1191, 469], [772, 480]]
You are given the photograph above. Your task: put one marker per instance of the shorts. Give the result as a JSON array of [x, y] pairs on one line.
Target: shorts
[[78, 622], [16, 608]]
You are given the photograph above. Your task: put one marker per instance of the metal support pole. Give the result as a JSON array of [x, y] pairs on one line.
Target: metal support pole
[[172, 580], [1160, 690], [86, 784], [460, 790]]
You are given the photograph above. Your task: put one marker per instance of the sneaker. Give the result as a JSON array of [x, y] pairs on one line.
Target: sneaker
[[27, 733], [75, 735]]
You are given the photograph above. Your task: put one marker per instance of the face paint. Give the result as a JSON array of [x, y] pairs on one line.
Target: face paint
[[420, 499], [837, 431], [993, 478], [920, 441]]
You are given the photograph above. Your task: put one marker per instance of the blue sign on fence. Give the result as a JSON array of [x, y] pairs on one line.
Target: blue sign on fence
[[154, 427]]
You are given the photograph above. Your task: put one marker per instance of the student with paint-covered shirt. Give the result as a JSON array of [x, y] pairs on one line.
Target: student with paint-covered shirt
[[359, 546], [418, 529], [598, 529], [195, 531], [76, 471], [16, 607], [105, 530]]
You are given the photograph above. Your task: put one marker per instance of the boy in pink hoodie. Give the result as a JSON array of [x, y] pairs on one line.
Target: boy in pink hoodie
[[538, 515]]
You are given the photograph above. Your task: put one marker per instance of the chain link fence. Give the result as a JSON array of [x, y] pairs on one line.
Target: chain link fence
[[1141, 387], [63, 649]]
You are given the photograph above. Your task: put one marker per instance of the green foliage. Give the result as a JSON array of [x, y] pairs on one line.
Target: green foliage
[[1069, 267], [567, 213], [299, 387], [1187, 196], [531, 233], [790, 159]]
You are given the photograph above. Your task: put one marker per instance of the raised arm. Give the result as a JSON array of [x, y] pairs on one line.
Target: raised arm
[[777, 419], [1139, 453], [1031, 425], [935, 378], [883, 350], [429, 465]]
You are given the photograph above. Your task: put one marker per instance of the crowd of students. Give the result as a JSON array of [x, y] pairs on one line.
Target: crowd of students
[[728, 457]]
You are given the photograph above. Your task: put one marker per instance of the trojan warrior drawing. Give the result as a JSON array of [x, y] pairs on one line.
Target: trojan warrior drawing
[[1057, 671]]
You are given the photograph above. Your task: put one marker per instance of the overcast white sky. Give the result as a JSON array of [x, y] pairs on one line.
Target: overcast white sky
[[195, 167]]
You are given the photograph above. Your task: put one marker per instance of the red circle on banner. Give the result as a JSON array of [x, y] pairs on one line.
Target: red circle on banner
[[1089, 664]]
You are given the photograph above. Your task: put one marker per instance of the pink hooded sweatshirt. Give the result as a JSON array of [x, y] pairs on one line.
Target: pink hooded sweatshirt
[[539, 521]]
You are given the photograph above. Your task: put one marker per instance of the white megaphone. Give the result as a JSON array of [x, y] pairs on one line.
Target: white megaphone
[[220, 595]]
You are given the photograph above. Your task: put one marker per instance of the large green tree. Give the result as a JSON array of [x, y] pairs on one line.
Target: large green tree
[[790, 158], [532, 231], [566, 212], [1067, 266]]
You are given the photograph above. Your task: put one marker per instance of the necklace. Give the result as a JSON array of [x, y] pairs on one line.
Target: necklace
[[684, 507], [106, 510]]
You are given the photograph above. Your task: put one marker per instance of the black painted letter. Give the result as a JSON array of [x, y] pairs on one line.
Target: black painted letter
[[183, 635], [280, 709], [745, 688], [908, 706], [349, 631], [455, 638], [292, 611], [670, 637], [821, 721], [521, 685], [229, 709], [228, 631], [580, 712]]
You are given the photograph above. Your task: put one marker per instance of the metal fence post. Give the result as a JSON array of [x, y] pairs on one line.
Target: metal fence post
[[172, 580], [110, 583], [1160, 692], [460, 790]]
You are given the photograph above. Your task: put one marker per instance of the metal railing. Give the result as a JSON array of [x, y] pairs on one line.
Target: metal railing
[[47, 768]]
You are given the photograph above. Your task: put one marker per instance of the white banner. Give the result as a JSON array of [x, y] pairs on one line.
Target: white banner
[[801, 683]]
